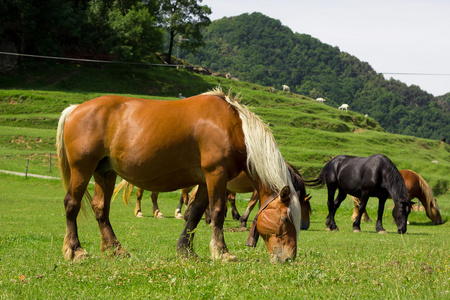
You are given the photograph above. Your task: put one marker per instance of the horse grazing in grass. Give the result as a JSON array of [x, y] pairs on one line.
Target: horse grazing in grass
[[163, 146], [242, 184], [417, 187], [364, 177], [128, 188]]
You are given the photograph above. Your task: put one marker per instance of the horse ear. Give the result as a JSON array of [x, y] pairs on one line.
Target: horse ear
[[285, 194]]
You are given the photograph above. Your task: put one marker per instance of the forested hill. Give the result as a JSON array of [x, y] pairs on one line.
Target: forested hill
[[256, 48]]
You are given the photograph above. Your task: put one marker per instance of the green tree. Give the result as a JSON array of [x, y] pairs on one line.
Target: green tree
[[185, 17]]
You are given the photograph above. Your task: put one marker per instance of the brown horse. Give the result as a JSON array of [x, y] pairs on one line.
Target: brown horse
[[242, 184], [417, 188], [166, 145], [128, 187]]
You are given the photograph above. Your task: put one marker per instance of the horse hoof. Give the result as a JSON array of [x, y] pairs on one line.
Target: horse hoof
[[80, 254], [179, 216], [328, 229], [116, 251], [228, 257], [382, 231], [139, 215], [187, 254], [356, 230], [158, 214]]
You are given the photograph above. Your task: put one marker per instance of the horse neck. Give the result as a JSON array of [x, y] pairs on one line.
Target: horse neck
[[398, 191]]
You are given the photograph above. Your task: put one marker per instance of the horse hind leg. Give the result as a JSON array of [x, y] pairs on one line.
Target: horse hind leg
[[101, 204], [138, 210], [333, 205], [72, 249], [232, 201], [156, 212]]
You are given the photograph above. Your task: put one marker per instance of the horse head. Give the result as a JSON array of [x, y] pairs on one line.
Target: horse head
[[276, 227], [400, 213], [433, 213]]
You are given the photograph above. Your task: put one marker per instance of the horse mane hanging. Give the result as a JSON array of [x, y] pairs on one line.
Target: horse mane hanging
[[264, 159]]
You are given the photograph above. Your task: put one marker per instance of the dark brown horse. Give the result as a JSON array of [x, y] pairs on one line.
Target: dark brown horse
[[166, 145], [418, 188], [364, 177]]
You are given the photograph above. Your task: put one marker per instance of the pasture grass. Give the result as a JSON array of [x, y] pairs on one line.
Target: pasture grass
[[329, 264]]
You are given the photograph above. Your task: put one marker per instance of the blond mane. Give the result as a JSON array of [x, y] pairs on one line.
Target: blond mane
[[427, 193], [264, 159]]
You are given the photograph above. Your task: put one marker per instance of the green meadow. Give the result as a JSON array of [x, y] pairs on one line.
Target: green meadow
[[340, 264]]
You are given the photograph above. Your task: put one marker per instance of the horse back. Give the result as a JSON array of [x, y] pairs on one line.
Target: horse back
[[141, 137]]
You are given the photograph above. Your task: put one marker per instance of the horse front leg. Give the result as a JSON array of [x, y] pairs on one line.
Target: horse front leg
[[101, 204], [251, 204], [197, 206], [156, 212], [361, 210], [217, 194], [178, 214], [137, 209], [365, 217], [72, 203], [379, 224]]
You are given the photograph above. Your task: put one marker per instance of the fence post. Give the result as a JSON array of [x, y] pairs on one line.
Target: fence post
[[26, 171]]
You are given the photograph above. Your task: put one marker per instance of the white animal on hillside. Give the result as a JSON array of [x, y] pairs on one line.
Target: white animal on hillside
[[343, 107], [286, 88], [321, 100]]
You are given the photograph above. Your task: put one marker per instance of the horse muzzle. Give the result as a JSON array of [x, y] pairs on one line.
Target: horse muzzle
[[401, 230]]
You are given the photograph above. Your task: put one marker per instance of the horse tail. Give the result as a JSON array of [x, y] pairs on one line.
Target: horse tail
[[128, 188], [63, 163], [318, 182]]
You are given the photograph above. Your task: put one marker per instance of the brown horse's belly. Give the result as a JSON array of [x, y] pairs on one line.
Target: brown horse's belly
[[169, 181]]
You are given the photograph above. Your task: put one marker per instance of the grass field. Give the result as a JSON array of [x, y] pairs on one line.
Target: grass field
[[329, 264], [338, 265]]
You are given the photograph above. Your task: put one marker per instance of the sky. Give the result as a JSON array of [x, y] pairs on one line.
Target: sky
[[396, 37]]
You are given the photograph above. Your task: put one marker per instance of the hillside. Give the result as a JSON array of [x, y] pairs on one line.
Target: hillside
[[308, 133], [259, 49]]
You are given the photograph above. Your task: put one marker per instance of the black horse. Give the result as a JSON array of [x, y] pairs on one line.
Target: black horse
[[364, 177]]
